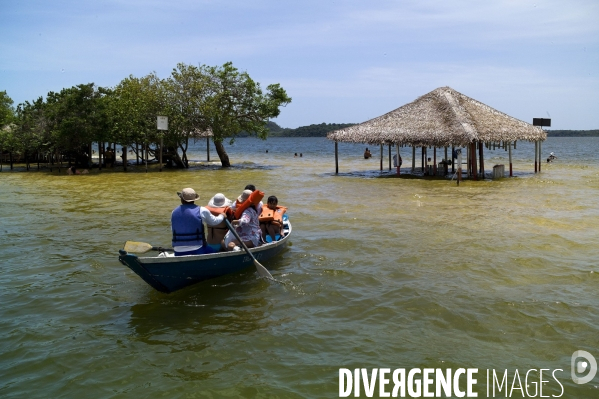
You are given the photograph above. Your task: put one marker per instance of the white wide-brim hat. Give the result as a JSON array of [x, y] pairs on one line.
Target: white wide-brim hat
[[219, 201], [244, 195]]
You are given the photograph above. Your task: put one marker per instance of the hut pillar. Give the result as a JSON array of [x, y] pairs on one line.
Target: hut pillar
[[536, 154], [381, 157], [162, 150], [452, 162], [473, 160], [398, 159], [389, 156], [435, 161], [482, 159], [336, 158], [540, 157], [423, 155], [413, 159], [510, 156]]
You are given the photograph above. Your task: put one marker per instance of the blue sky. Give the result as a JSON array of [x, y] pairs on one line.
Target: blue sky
[[340, 61]]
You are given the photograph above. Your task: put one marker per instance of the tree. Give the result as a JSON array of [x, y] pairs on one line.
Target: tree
[[7, 112], [32, 129], [75, 117], [187, 90], [236, 103], [132, 107]]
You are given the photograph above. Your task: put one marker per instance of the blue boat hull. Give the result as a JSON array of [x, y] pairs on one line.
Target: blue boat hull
[[168, 274]]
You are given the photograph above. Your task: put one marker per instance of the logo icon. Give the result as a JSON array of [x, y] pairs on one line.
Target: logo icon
[[580, 366]]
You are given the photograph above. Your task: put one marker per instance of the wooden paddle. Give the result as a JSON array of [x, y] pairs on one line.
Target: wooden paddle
[[142, 247], [259, 268]]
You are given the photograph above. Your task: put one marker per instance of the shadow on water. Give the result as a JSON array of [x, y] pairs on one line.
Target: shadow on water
[[232, 304]]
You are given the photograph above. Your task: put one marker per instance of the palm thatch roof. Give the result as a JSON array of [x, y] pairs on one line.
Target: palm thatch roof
[[443, 117]]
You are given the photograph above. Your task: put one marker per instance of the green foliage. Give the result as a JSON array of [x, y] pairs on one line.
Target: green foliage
[[573, 133], [195, 99], [7, 112], [75, 116], [131, 110], [237, 103]]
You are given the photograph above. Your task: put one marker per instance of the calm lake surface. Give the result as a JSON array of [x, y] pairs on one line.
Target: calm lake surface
[[381, 272]]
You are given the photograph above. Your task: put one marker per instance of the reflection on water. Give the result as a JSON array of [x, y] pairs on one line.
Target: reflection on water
[[380, 272]]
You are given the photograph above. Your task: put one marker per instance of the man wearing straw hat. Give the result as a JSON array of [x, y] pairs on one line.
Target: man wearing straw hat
[[187, 227]]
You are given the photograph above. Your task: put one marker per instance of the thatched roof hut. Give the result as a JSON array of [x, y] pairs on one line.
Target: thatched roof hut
[[443, 117]]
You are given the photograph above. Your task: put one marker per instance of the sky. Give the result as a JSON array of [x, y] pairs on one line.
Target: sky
[[339, 61]]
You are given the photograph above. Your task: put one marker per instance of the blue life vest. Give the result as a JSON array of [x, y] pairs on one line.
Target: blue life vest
[[187, 227]]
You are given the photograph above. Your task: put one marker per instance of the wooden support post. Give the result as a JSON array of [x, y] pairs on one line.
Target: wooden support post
[[468, 155], [161, 149], [459, 160], [482, 160], [540, 156], [398, 159], [413, 159], [452, 161], [435, 161], [536, 154], [473, 160], [381, 160], [389, 156], [336, 157], [423, 151], [510, 156]]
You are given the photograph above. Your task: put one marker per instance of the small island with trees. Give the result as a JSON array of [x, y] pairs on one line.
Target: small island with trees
[[200, 101]]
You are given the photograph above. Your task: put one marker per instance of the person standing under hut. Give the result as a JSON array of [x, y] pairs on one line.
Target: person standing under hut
[[247, 226], [187, 227]]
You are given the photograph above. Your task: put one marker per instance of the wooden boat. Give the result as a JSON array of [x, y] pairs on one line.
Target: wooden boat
[[167, 273]]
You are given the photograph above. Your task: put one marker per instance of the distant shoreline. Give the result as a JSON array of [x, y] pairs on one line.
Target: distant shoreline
[[573, 133], [322, 129]]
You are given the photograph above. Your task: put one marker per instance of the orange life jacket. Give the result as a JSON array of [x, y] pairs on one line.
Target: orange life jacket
[[217, 233], [254, 199], [274, 216]]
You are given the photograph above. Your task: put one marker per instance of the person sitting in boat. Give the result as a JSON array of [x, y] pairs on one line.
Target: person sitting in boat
[[271, 219], [551, 157], [247, 225], [367, 153], [187, 227], [218, 205], [252, 188]]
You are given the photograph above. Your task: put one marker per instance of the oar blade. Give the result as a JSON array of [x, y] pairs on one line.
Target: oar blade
[[262, 271], [137, 247]]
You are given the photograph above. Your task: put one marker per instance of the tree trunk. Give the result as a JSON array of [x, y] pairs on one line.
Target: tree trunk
[[222, 154]]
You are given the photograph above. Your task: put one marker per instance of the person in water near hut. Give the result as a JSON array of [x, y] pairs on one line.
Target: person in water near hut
[[73, 171], [109, 157], [367, 153], [551, 157], [271, 220], [187, 227], [247, 226], [218, 205]]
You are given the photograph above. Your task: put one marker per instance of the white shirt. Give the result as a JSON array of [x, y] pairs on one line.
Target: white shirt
[[210, 220]]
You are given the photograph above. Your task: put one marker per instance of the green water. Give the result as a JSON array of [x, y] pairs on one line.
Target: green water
[[380, 273]]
